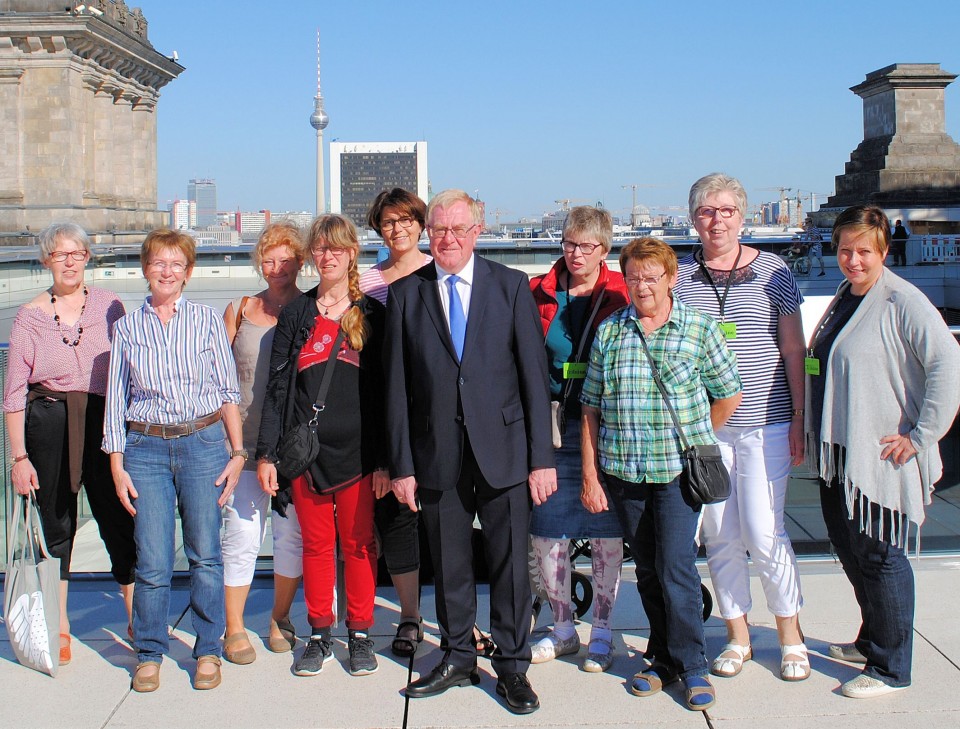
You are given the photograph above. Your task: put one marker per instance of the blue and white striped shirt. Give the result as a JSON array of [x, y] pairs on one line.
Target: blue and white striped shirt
[[167, 374], [761, 292]]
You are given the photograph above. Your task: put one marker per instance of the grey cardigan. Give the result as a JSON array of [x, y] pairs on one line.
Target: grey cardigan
[[894, 368]]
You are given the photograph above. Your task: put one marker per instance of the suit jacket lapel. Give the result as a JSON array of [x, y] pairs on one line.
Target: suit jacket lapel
[[431, 302], [479, 292]]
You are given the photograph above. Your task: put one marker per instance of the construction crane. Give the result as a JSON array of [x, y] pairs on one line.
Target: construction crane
[[497, 213], [565, 202], [783, 218]]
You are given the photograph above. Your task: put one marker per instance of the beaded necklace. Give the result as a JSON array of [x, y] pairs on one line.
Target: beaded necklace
[[56, 318]]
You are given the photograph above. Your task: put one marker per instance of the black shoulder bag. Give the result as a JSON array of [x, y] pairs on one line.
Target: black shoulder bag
[[299, 446], [704, 478]]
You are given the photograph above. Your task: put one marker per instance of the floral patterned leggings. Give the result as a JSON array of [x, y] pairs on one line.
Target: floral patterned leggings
[[553, 562]]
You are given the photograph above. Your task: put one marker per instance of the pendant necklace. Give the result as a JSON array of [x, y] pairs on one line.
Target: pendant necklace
[[56, 318], [327, 307]]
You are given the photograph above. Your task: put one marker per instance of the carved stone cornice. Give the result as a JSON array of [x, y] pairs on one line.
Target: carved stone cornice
[[38, 38]]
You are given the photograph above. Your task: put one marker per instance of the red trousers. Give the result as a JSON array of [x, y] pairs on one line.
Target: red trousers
[[347, 515]]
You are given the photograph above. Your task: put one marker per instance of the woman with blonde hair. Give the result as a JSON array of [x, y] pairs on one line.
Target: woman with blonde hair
[[332, 325], [251, 321]]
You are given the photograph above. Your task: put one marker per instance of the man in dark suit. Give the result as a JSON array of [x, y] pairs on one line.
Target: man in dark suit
[[468, 422]]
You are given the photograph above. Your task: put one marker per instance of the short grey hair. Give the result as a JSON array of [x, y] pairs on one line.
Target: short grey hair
[[450, 197], [713, 183], [48, 237], [590, 222]]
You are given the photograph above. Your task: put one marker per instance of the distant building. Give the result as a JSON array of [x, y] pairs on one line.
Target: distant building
[[359, 171], [301, 218], [222, 235], [250, 225], [183, 215], [204, 194]]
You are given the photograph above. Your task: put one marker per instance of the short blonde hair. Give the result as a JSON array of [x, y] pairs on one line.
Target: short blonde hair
[[49, 236], [162, 238], [282, 233], [864, 219], [450, 197]]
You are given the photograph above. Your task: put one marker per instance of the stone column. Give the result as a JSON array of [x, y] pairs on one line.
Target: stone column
[[11, 173], [145, 153], [104, 143]]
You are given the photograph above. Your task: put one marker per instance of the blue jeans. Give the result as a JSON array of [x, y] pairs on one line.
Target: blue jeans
[[179, 473], [660, 528], [882, 582]]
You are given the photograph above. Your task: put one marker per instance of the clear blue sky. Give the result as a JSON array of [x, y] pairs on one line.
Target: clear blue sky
[[532, 101]]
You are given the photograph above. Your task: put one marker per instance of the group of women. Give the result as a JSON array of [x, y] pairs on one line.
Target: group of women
[[865, 401]]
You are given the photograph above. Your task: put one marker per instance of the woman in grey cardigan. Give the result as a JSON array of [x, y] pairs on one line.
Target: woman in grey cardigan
[[884, 387]]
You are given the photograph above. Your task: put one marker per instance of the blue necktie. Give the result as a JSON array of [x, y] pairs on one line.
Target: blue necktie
[[458, 322]]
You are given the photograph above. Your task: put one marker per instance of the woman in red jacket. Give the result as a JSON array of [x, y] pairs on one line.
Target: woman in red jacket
[[578, 293]]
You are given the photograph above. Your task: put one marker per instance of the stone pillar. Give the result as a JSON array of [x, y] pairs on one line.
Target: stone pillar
[[906, 158], [145, 139], [11, 172], [91, 85], [105, 146]]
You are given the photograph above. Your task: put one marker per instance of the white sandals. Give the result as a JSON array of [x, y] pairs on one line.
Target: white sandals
[[794, 670], [730, 666]]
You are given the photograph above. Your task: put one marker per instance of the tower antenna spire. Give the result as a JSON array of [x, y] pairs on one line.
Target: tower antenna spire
[[319, 121]]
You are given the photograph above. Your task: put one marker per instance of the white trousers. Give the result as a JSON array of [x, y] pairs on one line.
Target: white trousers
[[751, 520], [244, 526]]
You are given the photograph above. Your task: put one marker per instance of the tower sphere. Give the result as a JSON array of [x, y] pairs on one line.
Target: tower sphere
[[319, 118]]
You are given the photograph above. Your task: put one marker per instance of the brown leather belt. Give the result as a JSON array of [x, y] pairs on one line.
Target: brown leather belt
[[176, 430]]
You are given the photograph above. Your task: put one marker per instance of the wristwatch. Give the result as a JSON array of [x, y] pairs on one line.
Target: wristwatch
[[242, 452]]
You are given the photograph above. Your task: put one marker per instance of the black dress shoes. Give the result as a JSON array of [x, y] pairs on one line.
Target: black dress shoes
[[441, 678], [515, 688]]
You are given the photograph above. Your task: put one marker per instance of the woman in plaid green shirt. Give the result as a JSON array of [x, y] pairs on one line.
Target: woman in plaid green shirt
[[629, 437]]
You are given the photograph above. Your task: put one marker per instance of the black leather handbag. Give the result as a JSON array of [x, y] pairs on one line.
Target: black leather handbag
[[705, 479], [299, 447]]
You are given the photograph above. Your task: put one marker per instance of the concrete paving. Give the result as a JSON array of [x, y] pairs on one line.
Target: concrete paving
[[93, 691]]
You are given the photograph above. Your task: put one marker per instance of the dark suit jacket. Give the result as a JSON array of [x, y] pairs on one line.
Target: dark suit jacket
[[498, 394]]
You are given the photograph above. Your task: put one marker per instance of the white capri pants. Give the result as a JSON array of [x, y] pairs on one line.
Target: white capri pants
[[751, 520], [244, 526]]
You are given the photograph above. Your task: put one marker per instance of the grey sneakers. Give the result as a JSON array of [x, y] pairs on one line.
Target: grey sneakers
[[317, 652]]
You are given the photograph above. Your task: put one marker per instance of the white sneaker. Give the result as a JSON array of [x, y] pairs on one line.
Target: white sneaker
[[552, 647], [867, 687]]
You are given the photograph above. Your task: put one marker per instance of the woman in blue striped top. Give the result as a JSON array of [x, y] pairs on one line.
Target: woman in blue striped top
[[172, 405], [757, 302]]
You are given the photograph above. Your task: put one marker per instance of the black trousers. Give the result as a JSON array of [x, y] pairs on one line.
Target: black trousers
[[46, 442], [448, 517]]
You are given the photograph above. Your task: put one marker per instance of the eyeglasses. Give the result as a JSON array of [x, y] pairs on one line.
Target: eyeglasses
[[61, 256], [320, 251], [706, 212], [460, 232], [272, 263], [405, 222], [650, 281], [585, 248], [176, 267]]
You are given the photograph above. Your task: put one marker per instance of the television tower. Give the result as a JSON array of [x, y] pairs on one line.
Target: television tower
[[319, 121]]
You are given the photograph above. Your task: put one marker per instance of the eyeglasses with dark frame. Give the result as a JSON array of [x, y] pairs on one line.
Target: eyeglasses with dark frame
[[585, 248], [61, 256], [706, 212], [405, 222]]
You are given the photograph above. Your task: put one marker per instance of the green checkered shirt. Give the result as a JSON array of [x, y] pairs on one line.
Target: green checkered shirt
[[637, 437]]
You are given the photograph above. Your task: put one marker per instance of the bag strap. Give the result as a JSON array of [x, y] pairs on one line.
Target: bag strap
[[320, 403], [37, 531], [240, 306], [583, 341], [663, 390]]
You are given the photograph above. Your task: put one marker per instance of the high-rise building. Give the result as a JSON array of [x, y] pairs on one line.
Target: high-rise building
[[249, 224], [183, 215], [204, 194], [359, 171]]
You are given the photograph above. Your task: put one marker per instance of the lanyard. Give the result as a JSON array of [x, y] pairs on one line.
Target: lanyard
[[726, 289]]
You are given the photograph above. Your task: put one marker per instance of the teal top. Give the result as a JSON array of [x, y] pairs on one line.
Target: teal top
[[563, 336]]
